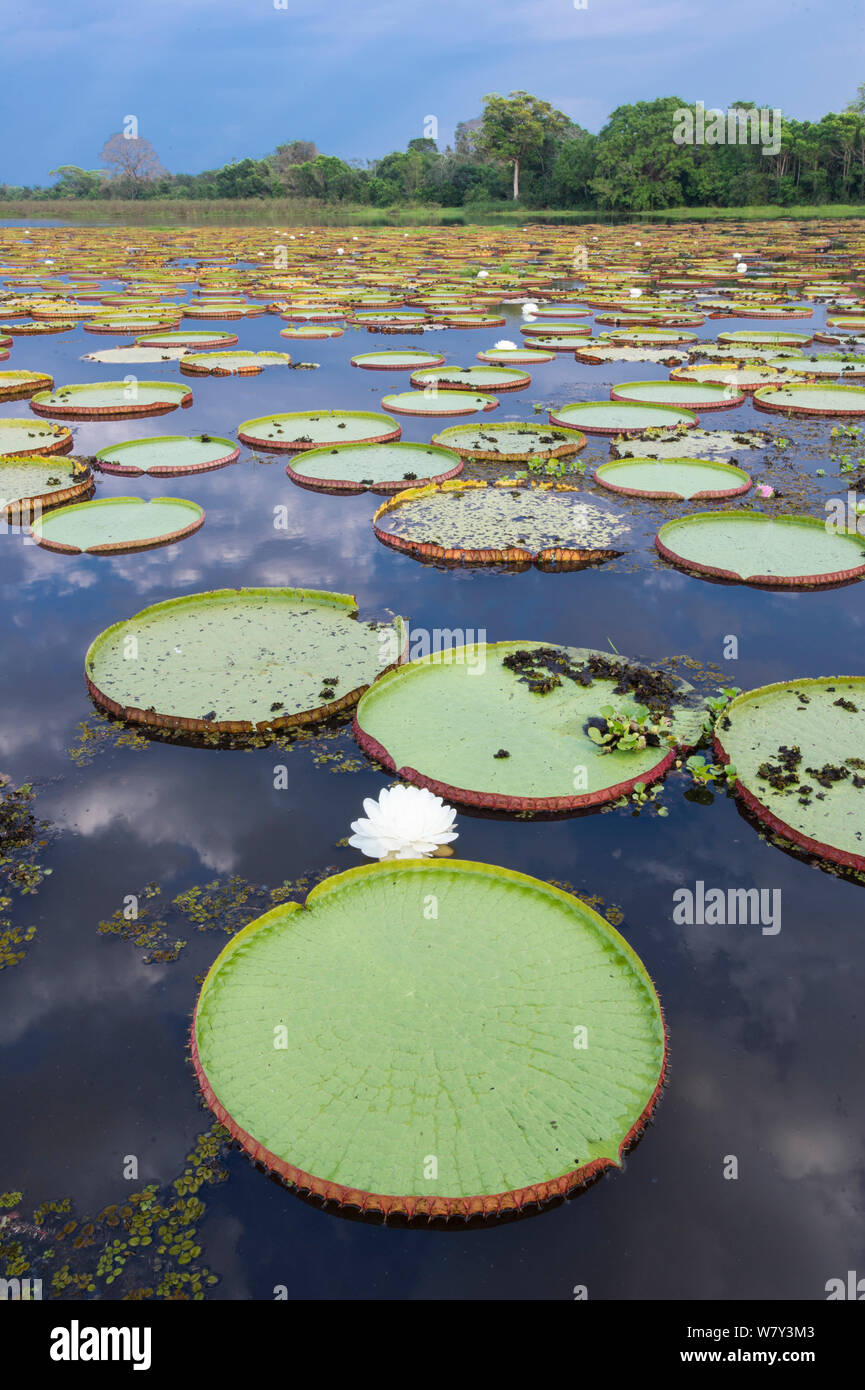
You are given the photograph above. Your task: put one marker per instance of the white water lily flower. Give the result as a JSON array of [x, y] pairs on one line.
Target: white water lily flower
[[635, 294], [482, 274], [741, 267], [505, 345], [405, 823], [737, 255], [638, 243]]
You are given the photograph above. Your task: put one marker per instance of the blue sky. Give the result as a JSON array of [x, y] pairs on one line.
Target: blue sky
[[214, 80]]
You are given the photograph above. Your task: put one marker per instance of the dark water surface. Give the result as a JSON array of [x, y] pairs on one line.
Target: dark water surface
[[766, 1051]]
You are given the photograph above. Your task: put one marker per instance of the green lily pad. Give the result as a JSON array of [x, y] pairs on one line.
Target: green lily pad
[[684, 478], [112, 399], [805, 399], [441, 720], [829, 365], [674, 444], [487, 523], [311, 330], [763, 337], [354, 468], [238, 363], [24, 437], [237, 660], [397, 360], [30, 484], [752, 548], [797, 747], [18, 386], [472, 378], [619, 417], [512, 442], [689, 394], [187, 337], [324, 1039], [113, 525], [308, 429], [167, 455], [597, 350], [438, 402], [505, 357]]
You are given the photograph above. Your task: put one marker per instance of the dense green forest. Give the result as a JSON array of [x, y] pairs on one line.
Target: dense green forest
[[521, 148]]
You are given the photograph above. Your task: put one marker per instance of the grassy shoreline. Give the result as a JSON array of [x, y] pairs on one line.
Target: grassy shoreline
[[170, 212]]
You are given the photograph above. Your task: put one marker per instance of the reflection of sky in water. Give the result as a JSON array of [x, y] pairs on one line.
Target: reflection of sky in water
[[765, 1045]]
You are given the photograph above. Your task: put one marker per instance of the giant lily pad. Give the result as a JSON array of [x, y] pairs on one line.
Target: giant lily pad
[[689, 394], [187, 338], [752, 548], [620, 417], [512, 442], [674, 444], [238, 660], [478, 523], [112, 400], [353, 468], [18, 386], [239, 363], [397, 360], [22, 437], [515, 356], [117, 524], [472, 378], [371, 1081], [309, 429], [682, 479], [30, 484], [817, 399], [435, 402], [167, 455], [505, 725], [797, 747]]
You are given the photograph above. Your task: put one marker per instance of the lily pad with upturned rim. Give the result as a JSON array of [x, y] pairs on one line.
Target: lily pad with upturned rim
[[750, 547], [19, 438], [487, 378], [680, 479], [356, 468], [116, 525], [512, 1110], [112, 400], [691, 444], [19, 385], [508, 522], [397, 360], [823, 721], [438, 402], [620, 417], [310, 429], [169, 455], [187, 337], [812, 399], [690, 395], [31, 484], [232, 363], [236, 661], [512, 442], [439, 721]]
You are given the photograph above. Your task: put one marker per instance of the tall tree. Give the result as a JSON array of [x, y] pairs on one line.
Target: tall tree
[[132, 162], [517, 128]]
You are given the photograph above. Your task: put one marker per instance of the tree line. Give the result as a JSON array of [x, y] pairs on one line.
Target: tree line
[[521, 148]]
